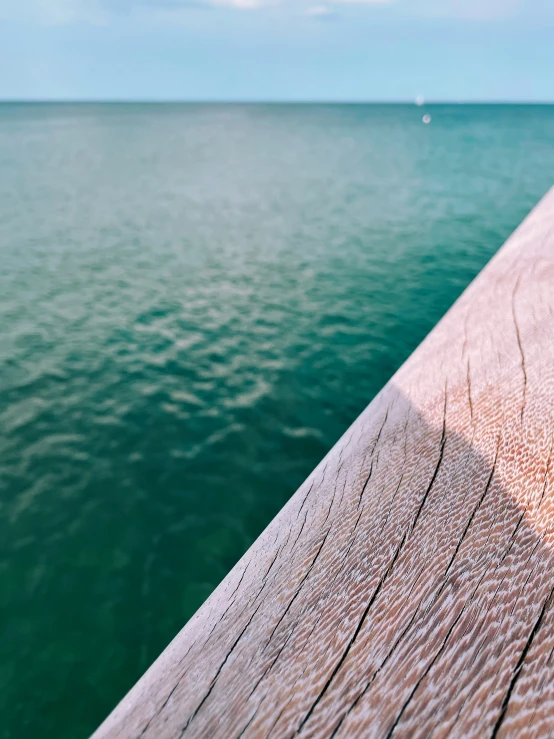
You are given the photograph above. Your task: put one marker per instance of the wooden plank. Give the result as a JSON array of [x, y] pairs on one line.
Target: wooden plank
[[407, 589]]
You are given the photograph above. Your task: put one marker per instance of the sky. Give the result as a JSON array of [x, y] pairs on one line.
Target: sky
[[277, 50]]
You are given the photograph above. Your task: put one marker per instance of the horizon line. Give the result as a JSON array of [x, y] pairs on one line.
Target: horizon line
[[184, 101]]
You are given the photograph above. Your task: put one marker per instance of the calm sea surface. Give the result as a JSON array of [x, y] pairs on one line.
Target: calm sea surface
[[195, 303]]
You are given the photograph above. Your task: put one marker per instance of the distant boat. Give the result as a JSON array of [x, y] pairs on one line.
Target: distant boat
[[426, 119], [420, 100]]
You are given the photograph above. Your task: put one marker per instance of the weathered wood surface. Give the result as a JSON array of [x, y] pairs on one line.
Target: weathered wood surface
[[406, 590]]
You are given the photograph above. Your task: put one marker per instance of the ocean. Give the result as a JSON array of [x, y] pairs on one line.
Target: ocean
[[195, 302]]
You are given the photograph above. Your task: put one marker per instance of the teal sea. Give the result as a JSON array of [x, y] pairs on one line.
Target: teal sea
[[195, 303]]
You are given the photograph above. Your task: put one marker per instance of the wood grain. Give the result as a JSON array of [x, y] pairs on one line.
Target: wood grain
[[407, 589]]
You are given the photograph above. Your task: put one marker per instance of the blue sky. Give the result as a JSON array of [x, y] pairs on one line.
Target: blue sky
[[277, 49]]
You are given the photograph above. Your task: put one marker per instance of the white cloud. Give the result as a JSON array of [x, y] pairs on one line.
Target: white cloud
[[238, 4], [475, 9], [55, 12], [483, 9], [100, 11], [364, 2], [319, 11]]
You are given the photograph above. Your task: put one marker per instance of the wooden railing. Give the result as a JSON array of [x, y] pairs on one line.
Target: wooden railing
[[406, 590]]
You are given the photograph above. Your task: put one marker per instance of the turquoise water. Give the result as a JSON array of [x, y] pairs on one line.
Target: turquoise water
[[195, 302]]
